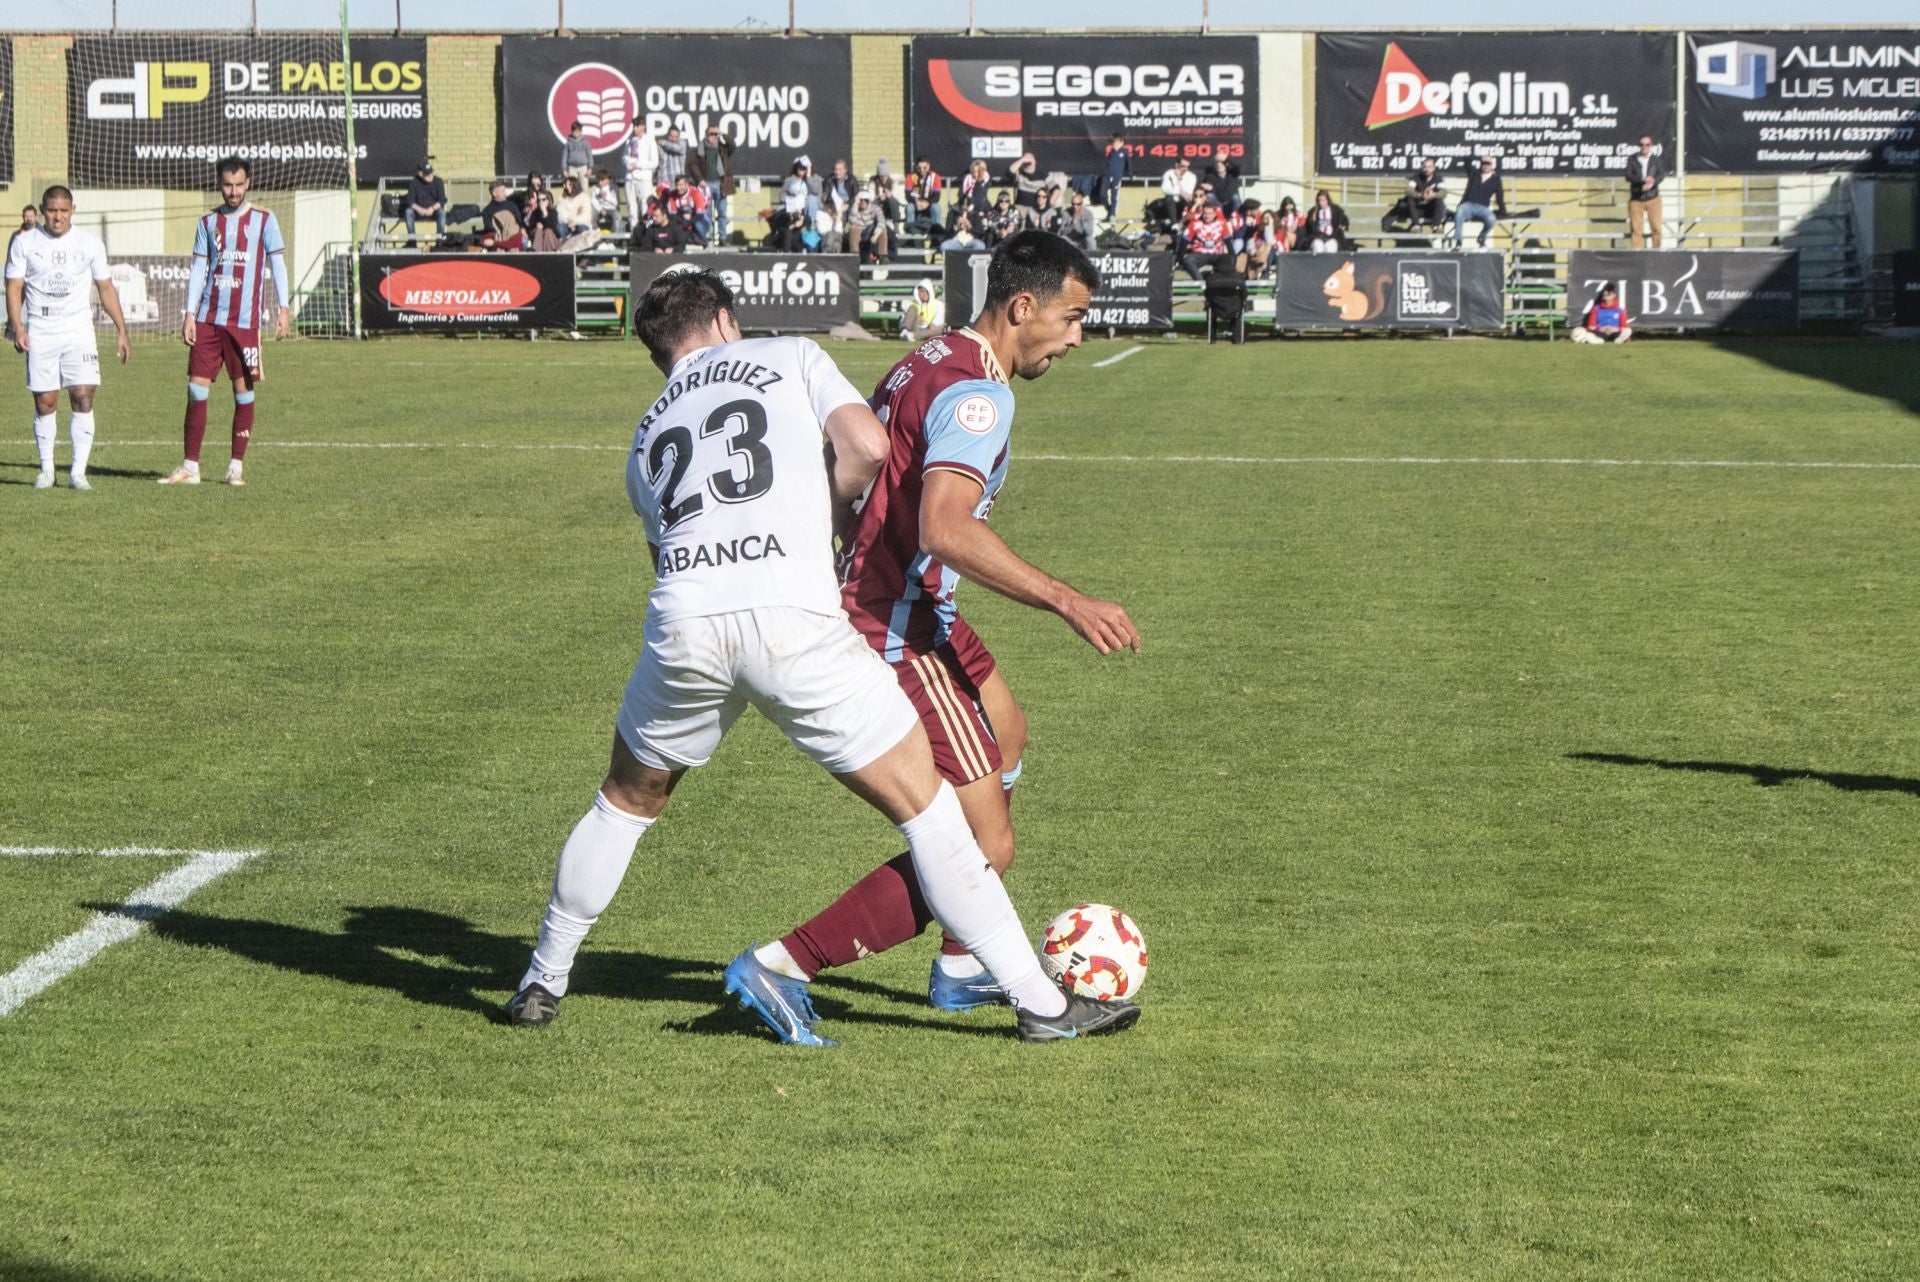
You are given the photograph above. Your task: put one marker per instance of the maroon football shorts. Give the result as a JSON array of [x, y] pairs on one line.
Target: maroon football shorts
[[217, 347], [944, 686]]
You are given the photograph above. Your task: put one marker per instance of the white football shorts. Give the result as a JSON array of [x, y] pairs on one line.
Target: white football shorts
[[61, 359], [811, 674]]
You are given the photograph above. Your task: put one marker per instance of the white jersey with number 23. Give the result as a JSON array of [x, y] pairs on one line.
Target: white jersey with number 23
[[728, 473]]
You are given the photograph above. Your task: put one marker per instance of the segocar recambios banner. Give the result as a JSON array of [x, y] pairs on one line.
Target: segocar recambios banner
[[993, 98], [1765, 102], [1544, 102]]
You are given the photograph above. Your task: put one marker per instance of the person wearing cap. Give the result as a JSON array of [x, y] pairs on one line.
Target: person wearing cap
[[426, 198], [576, 155], [1606, 321]]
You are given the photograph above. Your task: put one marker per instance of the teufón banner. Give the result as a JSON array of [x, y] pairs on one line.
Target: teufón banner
[[1136, 290], [1544, 102], [1390, 289], [1690, 289], [159, 111], [427, 293], [784, 293], [1762, 102], [777, 99], [994, 98]]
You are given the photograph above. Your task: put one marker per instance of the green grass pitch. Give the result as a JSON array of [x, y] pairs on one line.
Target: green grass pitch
[[1527, 848]]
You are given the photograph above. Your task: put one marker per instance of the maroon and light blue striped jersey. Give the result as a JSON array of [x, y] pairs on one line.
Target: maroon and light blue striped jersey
[[236, 245]]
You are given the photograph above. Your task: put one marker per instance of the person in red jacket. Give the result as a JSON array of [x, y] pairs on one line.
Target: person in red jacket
[[1606, 321]]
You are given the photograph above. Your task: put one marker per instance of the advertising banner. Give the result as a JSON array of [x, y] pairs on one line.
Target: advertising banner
[[1688, 289], [1390, 289], [158, 112], [782, 293], [1906, 287], [1136, 290], [1762, 102], [778, 99], [1544, 102], [994, 98], [6, 110], [439, 293], [152, 289]]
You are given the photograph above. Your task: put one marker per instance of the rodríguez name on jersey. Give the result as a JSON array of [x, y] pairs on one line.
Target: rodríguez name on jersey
[[746, 373]]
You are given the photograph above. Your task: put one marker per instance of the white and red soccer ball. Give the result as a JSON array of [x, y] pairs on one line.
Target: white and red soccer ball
[[1095, 950]]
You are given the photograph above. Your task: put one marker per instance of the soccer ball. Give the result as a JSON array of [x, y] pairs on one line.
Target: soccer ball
[[1095, 950]]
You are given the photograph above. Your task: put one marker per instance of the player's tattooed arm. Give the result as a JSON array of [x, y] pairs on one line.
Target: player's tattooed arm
[[953, 535]]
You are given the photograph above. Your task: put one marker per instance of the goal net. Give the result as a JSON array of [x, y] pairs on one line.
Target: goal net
[[150, 115]]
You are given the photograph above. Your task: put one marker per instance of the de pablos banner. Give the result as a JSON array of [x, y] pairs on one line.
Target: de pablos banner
[[994, 98], [1543, 102], [1761, 102], [779, 293], [159, 111], [1749, 289], [1390, 289], [777, 98], [435, 293], [1136, 290]]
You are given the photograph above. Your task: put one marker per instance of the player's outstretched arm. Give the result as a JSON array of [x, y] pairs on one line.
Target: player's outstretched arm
[[16, 301], [953, 535]]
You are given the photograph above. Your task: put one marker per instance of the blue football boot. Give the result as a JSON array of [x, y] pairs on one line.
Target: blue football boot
[[781, 1003], [971, 993]]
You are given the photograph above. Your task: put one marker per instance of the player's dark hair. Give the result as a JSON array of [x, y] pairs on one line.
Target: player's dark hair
[[50, 193], [234, 165], [679, 306], [1039, 263]]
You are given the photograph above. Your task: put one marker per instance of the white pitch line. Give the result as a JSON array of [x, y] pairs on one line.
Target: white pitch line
[[1115, 360], [35, 852], [1238, 460], [44, 969]]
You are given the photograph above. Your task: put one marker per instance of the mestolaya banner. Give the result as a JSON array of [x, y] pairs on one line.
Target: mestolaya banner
[[777, 99], [994, 98], [434, 293], [1543, 102]]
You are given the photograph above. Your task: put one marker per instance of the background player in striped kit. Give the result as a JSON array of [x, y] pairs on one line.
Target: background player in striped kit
[[235, 248], [50, 273]]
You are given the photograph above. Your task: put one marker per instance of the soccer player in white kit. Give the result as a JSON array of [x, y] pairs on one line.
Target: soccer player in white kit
[[727, 475], [51, 273]]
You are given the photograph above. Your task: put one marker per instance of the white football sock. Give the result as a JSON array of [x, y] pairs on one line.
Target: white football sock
[[968, 900], [43, 430], [81, 429], [958, 965], [592, 863], [775, 957]]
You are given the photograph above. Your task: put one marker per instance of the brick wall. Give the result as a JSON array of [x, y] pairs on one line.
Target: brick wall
[[463, 118], [880, 103], [39, 119]]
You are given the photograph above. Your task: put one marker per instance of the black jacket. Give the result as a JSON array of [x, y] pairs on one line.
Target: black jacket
[[1638, 169], [1488, 191]]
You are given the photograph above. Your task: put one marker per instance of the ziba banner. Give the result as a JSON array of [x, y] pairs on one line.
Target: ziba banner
[[777, 293], [777, 99], [1390, 289], [429, 293], [1690, 289], [1543, 102], [1762, 102]]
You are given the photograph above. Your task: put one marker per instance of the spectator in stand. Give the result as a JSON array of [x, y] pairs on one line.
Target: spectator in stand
[[1483, 202], [660, 234], [1027, 184], [885, 201], [500, 225], [536, 183], [816, 189], [426, 198], [643, 163], [1425, 203], [1079, 224], [687, 205], [1222, 182], [1002, 221], [1265, 241], [606, 202], [975, 195], [1605, 322], [573, 210], [1287, 223], [1644, 172], [793, 210], [1041, 214], [576, 155], [1207, 240], [1119, 169], [924, 316], [711, 165], [923, 198], [868, 232], [1326, 228], [836, 203], [963, 236], [673, 156], [542, 222], [1177, 186]]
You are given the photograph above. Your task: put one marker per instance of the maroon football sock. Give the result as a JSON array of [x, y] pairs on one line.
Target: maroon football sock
[[196, 428], [882, 909], [242, 429]]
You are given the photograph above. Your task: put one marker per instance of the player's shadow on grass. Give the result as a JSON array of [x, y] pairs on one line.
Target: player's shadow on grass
[[1763, 776], [438, 959], [28, 470]]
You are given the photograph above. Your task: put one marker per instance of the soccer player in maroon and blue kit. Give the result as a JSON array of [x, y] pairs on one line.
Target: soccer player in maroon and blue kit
[[235, 248], [948, 408]]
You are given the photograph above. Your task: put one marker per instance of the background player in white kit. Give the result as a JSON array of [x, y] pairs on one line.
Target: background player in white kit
[[726, 473], [52, 271]]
